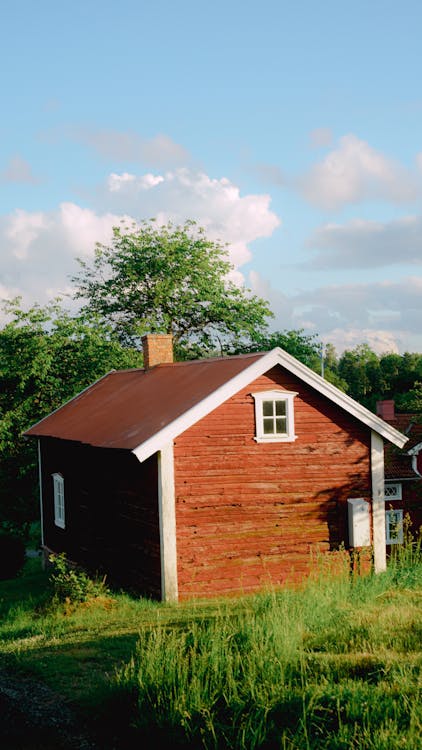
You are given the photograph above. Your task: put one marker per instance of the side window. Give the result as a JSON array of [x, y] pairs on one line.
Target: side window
[[274, 416], [58, 488], [394, 526], [392, 491]]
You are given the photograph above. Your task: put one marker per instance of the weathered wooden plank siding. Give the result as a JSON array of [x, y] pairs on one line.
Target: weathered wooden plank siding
[[249, 514], [111, 509]]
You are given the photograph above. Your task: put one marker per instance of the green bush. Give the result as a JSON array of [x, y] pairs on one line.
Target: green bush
[[70, 584], [12, 556]]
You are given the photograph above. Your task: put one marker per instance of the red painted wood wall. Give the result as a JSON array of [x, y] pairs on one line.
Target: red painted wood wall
[[111, 509], [249, 514]]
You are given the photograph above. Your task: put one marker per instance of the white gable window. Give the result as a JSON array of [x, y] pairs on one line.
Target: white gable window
[[274, 416], [58, 488], [392, 491], [394, 526]]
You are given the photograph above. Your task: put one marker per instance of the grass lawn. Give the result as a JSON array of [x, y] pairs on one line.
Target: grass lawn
[[334, 664]]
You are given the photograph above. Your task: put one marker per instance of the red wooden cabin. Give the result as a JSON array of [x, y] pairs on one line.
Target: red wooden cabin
[[209, 477], [403, 475]]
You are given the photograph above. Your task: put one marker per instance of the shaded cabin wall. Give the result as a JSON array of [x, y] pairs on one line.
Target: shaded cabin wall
[[249, 513], [111, 511], [411, 504]]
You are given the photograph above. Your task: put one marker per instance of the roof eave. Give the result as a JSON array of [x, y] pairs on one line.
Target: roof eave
[[73, 398]]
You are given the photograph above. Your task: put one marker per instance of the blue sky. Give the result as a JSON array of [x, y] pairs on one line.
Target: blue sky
[[290, 130]]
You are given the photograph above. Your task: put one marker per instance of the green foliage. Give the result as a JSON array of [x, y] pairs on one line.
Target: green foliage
[[360, 369], [308, 669], [307, 348], [412, 400], [371, 377], [170, 279], [46, 357], [12, 555], [332, 665], [71, 584]]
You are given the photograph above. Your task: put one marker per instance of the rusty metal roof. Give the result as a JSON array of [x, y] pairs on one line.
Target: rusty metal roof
[[125, 408]]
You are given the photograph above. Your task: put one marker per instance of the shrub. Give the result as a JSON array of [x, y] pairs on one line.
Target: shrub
[[70, 584], [12, 556]]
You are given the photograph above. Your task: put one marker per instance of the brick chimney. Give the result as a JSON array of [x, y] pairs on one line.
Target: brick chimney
[[385, 410], [157, 349]]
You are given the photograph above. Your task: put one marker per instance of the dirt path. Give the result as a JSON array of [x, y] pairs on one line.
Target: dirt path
[[33, 717]]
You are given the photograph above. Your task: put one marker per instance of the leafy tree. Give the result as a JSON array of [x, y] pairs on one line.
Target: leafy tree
[[307, 348], [371, 377], [390, 365], [410, 371], [330, 357], [400, 372], [170, 279], [411, 401], [46, 357], [360, 368]]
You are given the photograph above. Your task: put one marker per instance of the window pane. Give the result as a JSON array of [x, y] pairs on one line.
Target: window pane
[[281, 425], [280, 408], [268, 408], [268, 426], [394, 526]]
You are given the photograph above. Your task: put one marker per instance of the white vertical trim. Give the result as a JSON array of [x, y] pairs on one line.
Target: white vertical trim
[[415, 464], [40, 486], [378, 503], [167, 516]]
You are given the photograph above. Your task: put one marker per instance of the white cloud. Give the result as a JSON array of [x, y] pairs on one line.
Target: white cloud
[[144, 182], [39, 248], [22, 229], [81, 228], [379, 341], [367, 244], [280, 303], [20, 171], [321, 137], [353, 172], [269, 174], [157, 152], [216, 204], [360, 305], [387, 315]]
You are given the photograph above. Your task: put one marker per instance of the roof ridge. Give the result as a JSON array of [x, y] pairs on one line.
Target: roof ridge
[[204, 360]]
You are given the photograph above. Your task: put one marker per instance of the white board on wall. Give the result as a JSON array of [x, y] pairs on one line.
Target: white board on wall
[[359, 516]]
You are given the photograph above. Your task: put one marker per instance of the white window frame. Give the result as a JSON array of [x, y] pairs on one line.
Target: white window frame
[[59, 508], [394, 526], [396, 493], [275, 395]]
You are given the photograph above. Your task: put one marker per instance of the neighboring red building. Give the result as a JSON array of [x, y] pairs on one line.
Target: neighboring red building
[[403, 474], [209, 477]]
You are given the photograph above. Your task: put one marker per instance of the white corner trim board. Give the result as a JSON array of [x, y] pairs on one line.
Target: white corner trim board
[[167, 521], [378, 502], [40, 492]]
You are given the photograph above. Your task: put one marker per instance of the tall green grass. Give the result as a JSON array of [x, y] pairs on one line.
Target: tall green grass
[[333, 665]]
